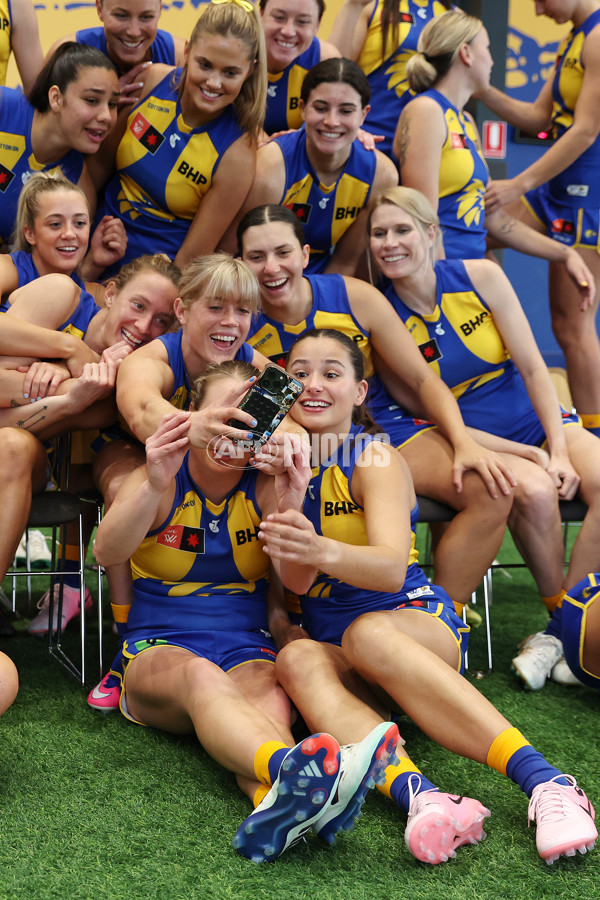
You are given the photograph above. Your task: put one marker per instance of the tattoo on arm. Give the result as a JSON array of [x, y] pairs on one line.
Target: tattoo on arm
[[404, 141], [508, 226], [34, 419]]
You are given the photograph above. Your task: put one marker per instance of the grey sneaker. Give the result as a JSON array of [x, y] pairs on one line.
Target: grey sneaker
[[539, 654]]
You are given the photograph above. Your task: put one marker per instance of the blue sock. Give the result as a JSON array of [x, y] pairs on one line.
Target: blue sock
[[528, 768]]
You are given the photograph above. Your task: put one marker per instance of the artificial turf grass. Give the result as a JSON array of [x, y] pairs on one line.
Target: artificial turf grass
[[95, 807]]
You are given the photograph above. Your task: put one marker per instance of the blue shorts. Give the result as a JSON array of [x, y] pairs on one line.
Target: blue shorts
[[572, 226], [442, 608], [226, 649], [574, 610]]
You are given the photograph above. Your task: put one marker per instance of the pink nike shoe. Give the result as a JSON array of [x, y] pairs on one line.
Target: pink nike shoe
[[564, 819], [106, 696]]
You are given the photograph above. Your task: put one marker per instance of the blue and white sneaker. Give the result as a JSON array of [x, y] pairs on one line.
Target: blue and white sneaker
[[362, 766], [301, 794]]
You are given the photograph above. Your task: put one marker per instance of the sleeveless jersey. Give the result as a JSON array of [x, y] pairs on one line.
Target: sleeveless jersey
[[164, 169], [17, 161], [331, 605], [5, 42], [79, 320], [325, 212], [463, 179], [330, 309], [578, 185], [182, 389], [203, 568], [461, 343], [283, 91], [162, 47], [386, 72], [27, 272]]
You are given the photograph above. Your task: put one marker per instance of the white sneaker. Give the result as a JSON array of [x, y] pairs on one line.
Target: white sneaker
[[562, 674], [39, 554], [539, 654]]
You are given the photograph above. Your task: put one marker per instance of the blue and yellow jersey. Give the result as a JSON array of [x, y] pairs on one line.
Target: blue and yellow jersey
[[463, 180], [164, 169], [283, 91], [578, 185], [182, 389], [386, 71], [204, 567], [331, 605], [5, 42], [27, 272], [325, 211], [17, 160], [162, 47], [462, 345]]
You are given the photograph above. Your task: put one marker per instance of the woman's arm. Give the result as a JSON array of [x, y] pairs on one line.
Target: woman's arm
[[418, 143], [48, 301], [145, 497], [399, 354], [25, 42], [9, 277], [353, 242], [532, 117], [349, 31], [380, 484], [222, 202], [569, 147], [511, 322]]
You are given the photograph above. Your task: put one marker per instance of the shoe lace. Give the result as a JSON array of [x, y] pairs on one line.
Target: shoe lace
[[548, 802], [540, 646], [416, 796], [43, 603]]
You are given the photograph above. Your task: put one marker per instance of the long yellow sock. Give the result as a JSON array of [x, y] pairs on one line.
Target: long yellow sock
[[552, 603], [391, 773], [261, 760], [260, 794], [503, 747]]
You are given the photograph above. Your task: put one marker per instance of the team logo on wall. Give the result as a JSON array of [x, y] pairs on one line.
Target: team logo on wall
[[148, 136], [6, 176]]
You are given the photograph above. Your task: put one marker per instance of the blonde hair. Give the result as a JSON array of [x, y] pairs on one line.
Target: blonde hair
[[412, 202], [158, 264], [219, 276], [230, 19], [231, 368], [29, 203], [438, 47]]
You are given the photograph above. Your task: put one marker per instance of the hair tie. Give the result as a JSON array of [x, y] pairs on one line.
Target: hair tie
[[245, 4]]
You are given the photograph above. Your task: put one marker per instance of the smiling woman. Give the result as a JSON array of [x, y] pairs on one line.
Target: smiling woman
[[72, 108], [186, 158]]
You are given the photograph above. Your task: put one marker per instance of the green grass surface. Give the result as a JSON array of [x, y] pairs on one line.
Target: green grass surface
[[95, 807]]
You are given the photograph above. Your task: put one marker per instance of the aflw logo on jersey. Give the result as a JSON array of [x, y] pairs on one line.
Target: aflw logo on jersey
[[148, 136], [182, 537]]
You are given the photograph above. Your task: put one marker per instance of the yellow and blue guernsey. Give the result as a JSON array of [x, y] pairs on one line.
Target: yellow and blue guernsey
[[162, 47], [203, 569], [17, 160], [461, 343], [283, 91], [182, 389], [164, 169], [578, 184], [5, 41], [325, 211], [386, 71], [463, 180], [331, 605], [27, 272], [331, 309]]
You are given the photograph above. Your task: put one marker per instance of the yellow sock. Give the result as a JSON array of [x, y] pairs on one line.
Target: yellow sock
[[590, 421], [391, 773], [260, 794], [503, 747], [458, 607], [552, 603], [261, 760], [71, 552]]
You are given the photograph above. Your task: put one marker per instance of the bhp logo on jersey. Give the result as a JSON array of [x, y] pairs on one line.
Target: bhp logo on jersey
[[182, 537], [146, 134]]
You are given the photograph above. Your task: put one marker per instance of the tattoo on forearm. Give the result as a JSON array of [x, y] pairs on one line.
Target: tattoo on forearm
[[34, 419], [404, 141]]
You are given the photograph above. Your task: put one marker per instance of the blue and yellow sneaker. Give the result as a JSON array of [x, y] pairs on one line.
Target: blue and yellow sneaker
[[362, 766], [301, 794]]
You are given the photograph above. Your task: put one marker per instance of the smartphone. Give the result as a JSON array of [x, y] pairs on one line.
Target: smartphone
[[268, 400]]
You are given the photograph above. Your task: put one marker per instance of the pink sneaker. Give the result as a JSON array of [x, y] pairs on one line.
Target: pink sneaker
[[440, 823], [106, 695], [70, 609], [564, 818]]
